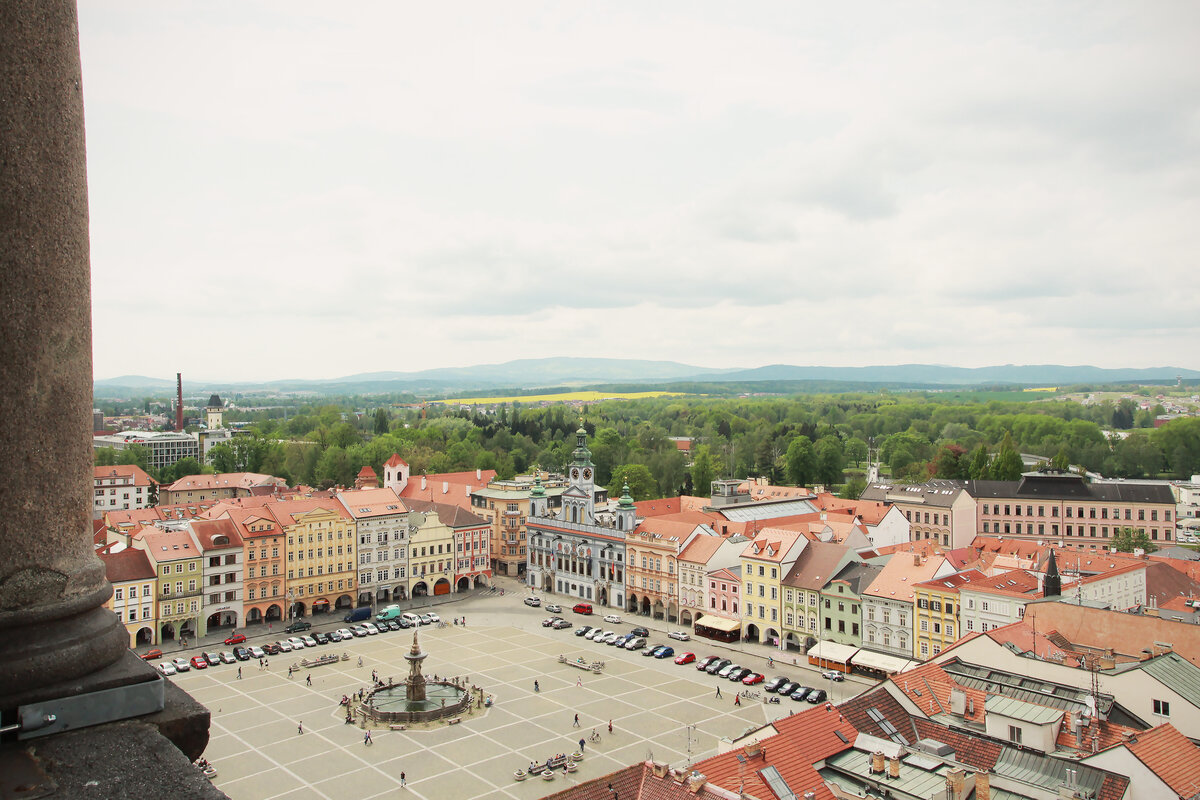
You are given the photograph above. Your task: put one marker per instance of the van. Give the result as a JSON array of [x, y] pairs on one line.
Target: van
[[391, 612], [358, 614], [412, 619], [582, 608]]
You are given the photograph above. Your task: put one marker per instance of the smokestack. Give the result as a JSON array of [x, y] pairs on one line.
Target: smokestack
[[956, 780], [894, 767], [877, 762], [179, 402], [983, 785]]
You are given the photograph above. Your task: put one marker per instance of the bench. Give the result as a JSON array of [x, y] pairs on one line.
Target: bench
[[454, 721], [397, 727]]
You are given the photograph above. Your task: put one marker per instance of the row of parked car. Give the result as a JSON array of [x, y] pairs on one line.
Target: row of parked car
[[242, 652]]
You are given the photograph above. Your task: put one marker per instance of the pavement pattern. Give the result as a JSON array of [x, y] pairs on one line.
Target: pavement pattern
[[658, 709]]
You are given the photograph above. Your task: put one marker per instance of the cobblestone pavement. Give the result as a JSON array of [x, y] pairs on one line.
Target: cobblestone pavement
[[657, 708]]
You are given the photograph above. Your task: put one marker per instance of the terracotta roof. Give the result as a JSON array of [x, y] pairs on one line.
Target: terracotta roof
[[950, 583], [672, 531], [900, 574], [222, 480], [928, 687], [451, 516], [1164, 583], [701, 549], [656, 508], [169, 545], [140, 478], [771, 545], [886, 707], [128, 565], [871, 512], [208, 529], [816, 565], [973, 751], [286, 512], [1025, 638], [367, 472], [1014, 583], [639, 782], [457, 485], [362, 503], [803, 740], [395, 461], [1170, 755]]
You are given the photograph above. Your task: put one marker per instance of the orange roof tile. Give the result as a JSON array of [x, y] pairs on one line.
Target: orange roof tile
[[1169, 755], [900, 575], [140, 478]]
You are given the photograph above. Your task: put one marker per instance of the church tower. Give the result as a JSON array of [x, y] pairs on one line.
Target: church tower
[[214, 411], [578, 501], [626, 513], [395, 473], [537, 497], [1052, 585]]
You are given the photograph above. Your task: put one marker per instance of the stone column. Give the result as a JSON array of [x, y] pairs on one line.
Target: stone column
[[53, 627]]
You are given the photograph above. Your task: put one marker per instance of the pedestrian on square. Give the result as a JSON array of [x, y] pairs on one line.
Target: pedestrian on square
[[308, 680], [402, 783], [576, 725], [266, 663], [289, 673], [239, 673], [579, 681], [581, 744], [610, 726], [737, 700], [300, 727], [268, 627], [718, 692]]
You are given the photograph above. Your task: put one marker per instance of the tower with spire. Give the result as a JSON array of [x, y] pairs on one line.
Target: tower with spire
[[1052, 585], [578, 501]]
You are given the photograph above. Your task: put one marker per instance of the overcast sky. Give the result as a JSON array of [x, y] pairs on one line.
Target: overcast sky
[[313, 190]]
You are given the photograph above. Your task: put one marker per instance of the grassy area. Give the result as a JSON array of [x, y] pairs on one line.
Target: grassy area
[[558, 397]]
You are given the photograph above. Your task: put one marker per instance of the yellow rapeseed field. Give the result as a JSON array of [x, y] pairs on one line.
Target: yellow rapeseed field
[[561, 397]]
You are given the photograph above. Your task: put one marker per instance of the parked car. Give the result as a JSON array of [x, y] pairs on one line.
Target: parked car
[[199, 662], [152, 654], [241, 653], [560, 624], [227, 657], [257, 652], [554, 608], [394, 625], [426, 619], [730, 671], [619, 641], [346, 634], [533, 601], [182, 664], [775, 683], [678, 635], [685, 658], [752, 678], [584, 630], [548, 621], [236, 638], [817, 696], [285, 646], [213, 658], [800, 694], [595, 634], [833, 675], [640, 631], [334, 636], [636, 643], [664, 652], [706, 661], [613, 618], [723, 672], [582, 608], [403, 623], [359, 631], [651, 649], [786, 688], [166, 668], [296, 642], [433, 617], [299, 626], [368, 626], [321, 637], [271, 648]]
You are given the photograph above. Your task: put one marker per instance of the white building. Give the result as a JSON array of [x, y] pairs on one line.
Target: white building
[[120, 487], [382, 520]]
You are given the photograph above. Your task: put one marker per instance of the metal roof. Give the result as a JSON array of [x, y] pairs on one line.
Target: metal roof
[[1019, 709], [1029, 766], [749, 512], [1022, 687], [1176, 672]]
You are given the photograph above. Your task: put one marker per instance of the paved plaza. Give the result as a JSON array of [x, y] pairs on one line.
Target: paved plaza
[[657, 708]]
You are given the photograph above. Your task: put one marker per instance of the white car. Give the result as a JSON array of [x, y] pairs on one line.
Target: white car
[[285, 646], [309, 641], [166, 668], [345, 633], [257, 652], [613, 618], [436, 619], [182, 664], [680, 635], [371, 629], [636, 643], [296, 642], [609, 637]]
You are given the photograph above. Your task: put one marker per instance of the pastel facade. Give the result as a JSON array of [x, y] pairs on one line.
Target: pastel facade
[[703, 556], [217, 486], [841, 603], [765, 561], [942, 511], [430, 552], [888, 603], [724, 590], [177, 561], [222, 573], [996, 601], [803, 584], [466, 562], [264, 543], [936, 618], [653, 550], [133, 599], [321, 563], [381, 522], [120, 488]]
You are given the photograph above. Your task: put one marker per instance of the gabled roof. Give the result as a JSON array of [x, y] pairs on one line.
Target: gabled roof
[[223, 480], [367, 503], [139, 476], [130, 564], [450, 516], [701, 549], [640, 782], [657, 508], [1014, 583], [771, 545], [950, 583], [290, 512], [367, 472], [897, 578], [1170, 755], [207, 530], [395, 461]]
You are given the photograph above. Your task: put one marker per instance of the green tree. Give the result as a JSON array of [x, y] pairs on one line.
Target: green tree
[[343, 434], [951, 462], [857, 451], [1061, 460], [855, 486], [978, 468], [335, 468], [704, 469], [640, 480], [801, 461], [1126, 540], [382, 423], [1007, 465], [828, 455], [185, 467], [222, 458]]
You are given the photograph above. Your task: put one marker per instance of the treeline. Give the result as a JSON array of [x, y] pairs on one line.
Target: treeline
[[826, 439]]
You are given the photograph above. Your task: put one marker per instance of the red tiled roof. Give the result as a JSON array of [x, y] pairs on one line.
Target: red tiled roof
[[395, 461], [928, 687], [140, 478], [1169, 755], [207, 530], [128, 565], [657, 508], [367, 472], [803, 739], [637, 782], [970, 750]]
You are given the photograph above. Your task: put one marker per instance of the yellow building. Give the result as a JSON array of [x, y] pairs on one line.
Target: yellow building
[[176, 559], [765, 562], [133, 599], [431, 547], [936, 613], [321, 569]]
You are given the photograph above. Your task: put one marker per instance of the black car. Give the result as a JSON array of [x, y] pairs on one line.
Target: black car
[[717, 666], [800, 694], [738, 674], [641, 632], [322, 638], [775, 683], [393, 624], [334, 636], [241, 653], [787, 688], [298, 626], [816, 696], [402, 622], [583, 630]]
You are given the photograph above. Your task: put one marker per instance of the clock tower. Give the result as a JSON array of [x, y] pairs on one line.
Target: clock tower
[[578, 501]]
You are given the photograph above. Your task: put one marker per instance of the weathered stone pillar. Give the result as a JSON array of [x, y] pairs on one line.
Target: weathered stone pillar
[[53, 627]]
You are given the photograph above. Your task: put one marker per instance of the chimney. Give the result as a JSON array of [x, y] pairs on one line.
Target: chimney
[[753, 749], [916, 559], [983, 785], [660, 770], [894, 767], [877, 762], [958, 702], [971, 706], [955, 783], [422, 483], [445, 486], [695, 782], [478, 474]]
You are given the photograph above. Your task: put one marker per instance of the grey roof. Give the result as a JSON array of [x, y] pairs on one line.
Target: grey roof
[[858, 575], [749, 512], [1068, 486], [1179, 553], [941, 493], [916, 779], [1022, 687], [1032, 767], [1019, 709], [1178, 673], [816, 564]]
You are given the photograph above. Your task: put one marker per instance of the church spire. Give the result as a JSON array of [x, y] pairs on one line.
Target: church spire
[[1052, 586]]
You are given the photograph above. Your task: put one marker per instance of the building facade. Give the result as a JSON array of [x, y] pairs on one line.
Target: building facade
[[888, 603], [120, 488], [264, 543], [803, 584], [178, 570], [381, 522], [765, 561], [222, 573], [321, 563], [464, 561], [164, 448], [133, 599], [936, 615], [942, 511]]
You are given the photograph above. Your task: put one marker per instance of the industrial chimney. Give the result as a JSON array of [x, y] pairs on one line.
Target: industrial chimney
[[179, 402]]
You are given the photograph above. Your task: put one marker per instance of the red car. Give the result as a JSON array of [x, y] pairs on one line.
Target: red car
[[685, 658], [753, 678], [237, 638], [198, 662]]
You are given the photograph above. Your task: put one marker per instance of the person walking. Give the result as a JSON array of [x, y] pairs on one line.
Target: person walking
[[737, 700], [402, 779], [576, 725], [239, 673], [579, 681], [581, 744], [718, 692], [299, 727], [308, 679], [610, 726]]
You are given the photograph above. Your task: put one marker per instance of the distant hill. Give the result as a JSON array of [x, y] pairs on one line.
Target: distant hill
[[533, 373]]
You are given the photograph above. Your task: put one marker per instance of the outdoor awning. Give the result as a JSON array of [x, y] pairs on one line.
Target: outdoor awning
[[719, 623], [832, 651], [884, 663]]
